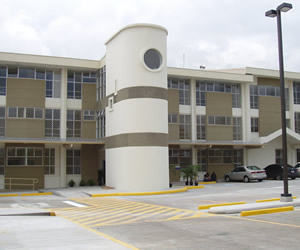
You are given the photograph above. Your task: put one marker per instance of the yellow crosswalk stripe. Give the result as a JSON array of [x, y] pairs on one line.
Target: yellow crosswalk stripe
[[104, 211]]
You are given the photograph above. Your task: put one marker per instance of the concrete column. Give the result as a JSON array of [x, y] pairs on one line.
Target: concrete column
[[63, 104], [137, 113], [193, 110], [63, 169]]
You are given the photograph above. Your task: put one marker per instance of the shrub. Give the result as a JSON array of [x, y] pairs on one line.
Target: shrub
[[91, 182], [82, 183], [71, 183]]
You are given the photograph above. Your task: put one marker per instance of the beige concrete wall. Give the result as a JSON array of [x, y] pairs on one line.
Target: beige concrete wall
[[88, 129], [269, 115], [89, 163], [174, 132], [173, 101], [89, 97], [218, 104], [268, 82], [25, 172], [25, 128], [25, 92]]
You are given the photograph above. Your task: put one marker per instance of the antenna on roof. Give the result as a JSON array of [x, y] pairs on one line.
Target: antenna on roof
[[202, 67], [183, 60]]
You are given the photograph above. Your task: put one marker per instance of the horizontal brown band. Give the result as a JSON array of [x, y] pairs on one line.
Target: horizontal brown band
[[137, 140], [141, 92], [135, 92]]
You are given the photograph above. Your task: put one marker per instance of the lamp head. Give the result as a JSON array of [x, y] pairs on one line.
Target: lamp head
[[271, 13], [284, 7]]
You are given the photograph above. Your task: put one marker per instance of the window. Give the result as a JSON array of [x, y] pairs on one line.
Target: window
[[89, 115], [73, 123], [52, 123], [237, 128], [278, 156], [220, 156], [2, 161], [22, 112], [74, 85], [73, 161], [152, 59], [172, 118], [253, 97], [3, 76], [296, 92], [219, 120], [26, 72], [185, 126], [89, 77], [20, 156], [201, 127], [297, 122], [2, 121], [100, 124], [185, 157], [101, 83], [254, 124], [224, 87], [238, 157], [184, 90], [12, 71], [174, 156], [298, 154], [200, 94], [184, 93], [202, 159], [53, 83], [49, 161]]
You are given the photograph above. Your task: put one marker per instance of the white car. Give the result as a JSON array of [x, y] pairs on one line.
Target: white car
[[246, 173]]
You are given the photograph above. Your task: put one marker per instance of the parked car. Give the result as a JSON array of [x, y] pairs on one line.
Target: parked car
[[245, 173], [275, 171], [297, 166]]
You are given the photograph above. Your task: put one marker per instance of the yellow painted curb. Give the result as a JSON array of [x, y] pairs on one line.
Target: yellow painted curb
[[207, 182], [220, 205], [267, 211], [8, 195], [149, 193], [195, 187], [274, 199], [52, 214], [34, 194]]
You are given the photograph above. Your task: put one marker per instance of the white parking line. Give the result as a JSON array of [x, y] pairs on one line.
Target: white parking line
[[74, 204]]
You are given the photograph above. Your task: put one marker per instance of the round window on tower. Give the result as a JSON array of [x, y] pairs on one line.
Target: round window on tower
[[153, 59]]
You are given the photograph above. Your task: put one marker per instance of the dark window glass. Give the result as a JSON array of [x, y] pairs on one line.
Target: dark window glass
[[26, 73], [12, 71], [152, 59]]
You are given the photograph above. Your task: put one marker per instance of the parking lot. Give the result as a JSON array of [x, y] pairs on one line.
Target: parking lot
[[169, 221]]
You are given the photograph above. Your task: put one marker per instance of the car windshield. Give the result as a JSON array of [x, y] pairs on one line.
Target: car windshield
[[253, 168]]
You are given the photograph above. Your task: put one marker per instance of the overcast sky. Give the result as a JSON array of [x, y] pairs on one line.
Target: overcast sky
[[216, 33]]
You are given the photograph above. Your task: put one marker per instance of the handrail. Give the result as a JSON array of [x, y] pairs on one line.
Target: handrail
[[10, 182]]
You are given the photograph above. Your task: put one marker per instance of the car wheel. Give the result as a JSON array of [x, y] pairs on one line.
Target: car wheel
[[293, 178], [278, 177], [227, 179], [260, 180], [246, 179]]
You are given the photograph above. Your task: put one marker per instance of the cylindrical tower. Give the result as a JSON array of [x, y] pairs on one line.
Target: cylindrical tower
[[137, 112]]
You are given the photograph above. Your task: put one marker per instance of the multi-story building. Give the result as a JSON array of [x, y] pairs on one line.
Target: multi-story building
[[63, 119]]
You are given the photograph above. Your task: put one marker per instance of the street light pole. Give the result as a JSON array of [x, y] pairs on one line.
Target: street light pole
[[284, 7]]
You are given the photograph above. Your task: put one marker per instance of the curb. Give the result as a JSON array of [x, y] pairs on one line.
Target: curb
[[273, 199], [219, 205], [267, 211], [148, 193], [29, 194], [207, 182]]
